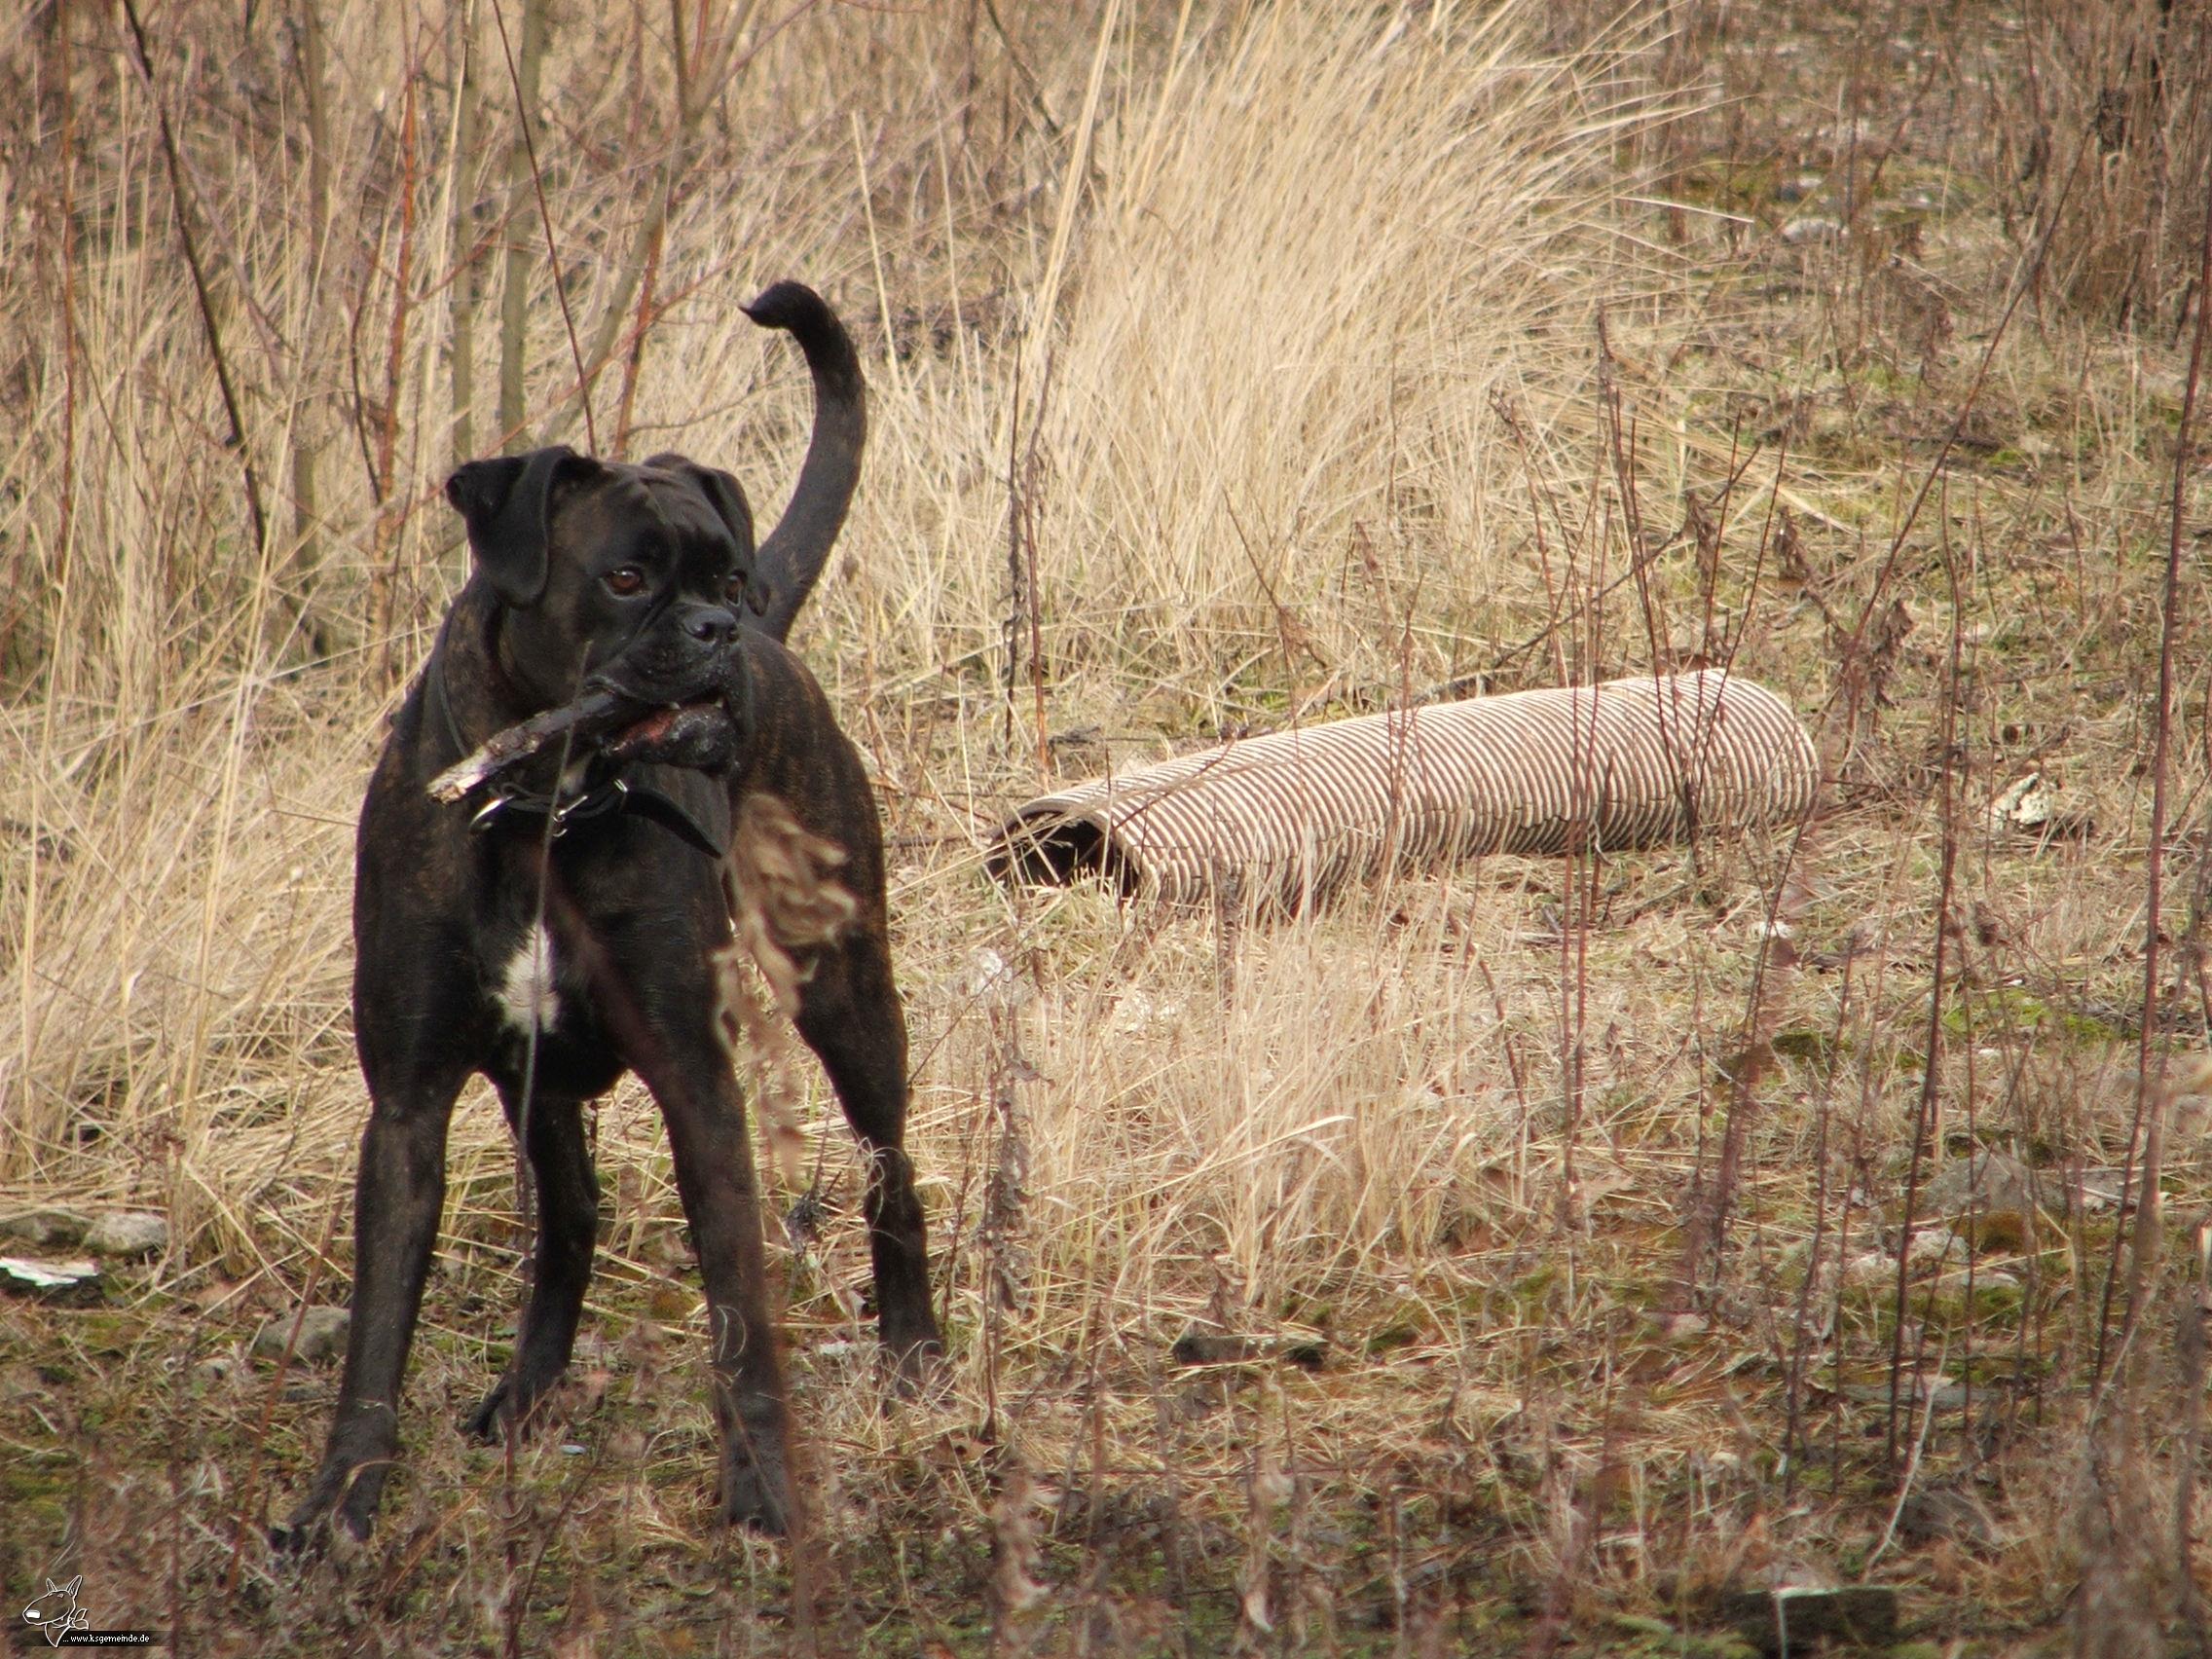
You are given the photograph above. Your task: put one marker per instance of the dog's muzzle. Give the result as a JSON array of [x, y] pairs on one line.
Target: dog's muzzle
[[680, 656]]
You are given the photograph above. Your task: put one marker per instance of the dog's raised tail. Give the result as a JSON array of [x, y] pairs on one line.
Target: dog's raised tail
[[791, 558]]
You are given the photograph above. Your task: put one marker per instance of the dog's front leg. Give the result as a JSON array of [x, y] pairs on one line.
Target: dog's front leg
[[397, 1205], [705, 1115], [567, 1228]]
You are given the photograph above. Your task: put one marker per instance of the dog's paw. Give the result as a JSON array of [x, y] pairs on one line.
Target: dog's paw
[[333, 1524], [295, 1540], [331, 1539], [915, 1369], [913, 1348], [487, 1425], [508, 1403], [757, 1497]]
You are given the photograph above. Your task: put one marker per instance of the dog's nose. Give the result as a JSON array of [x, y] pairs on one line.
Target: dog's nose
[[711, 625]]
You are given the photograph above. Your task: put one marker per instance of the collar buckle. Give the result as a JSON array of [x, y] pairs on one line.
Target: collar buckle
[[561, 814]]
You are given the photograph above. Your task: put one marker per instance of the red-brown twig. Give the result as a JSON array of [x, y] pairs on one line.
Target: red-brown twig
[[2149, 1124], [386, 578], [1924, 1118]]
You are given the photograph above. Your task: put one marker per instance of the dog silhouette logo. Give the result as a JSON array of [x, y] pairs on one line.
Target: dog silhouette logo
[[56, 1612]]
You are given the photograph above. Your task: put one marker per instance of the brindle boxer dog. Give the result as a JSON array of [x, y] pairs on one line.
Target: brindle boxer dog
[[557, 928]]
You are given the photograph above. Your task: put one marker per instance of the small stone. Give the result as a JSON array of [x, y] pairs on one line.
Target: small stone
[[1137, 1014], [322, 1336], [1793, 1619], [1811, 229], [991, 979], [1308, 1353], [1207, 1347], [1949, 1513], [1933, 1244], [2025, 803], [1931, 1392], [56, 1227], [1871, 1267], [128, 1234]]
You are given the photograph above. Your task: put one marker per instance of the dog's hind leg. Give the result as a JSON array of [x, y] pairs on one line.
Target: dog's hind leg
[[850, 1015], [567, 1229]]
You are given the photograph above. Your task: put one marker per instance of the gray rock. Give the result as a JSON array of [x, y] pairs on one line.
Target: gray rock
[[1935, 1395], [1989, 1183], [54, 1226], [1813, 227], [128, 1234], [2100, 1189], [322, 1336]]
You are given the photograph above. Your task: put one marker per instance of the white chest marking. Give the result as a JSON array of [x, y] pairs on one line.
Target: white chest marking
[[527, 995]]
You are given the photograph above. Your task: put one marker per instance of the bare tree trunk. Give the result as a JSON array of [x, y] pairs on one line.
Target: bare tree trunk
[[468, 221], [514, 298], [307, 431]]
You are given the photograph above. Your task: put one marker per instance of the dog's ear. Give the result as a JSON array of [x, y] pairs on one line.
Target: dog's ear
[[726, 496], [507, 503]]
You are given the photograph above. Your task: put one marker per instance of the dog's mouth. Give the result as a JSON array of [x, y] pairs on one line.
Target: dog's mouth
[[699, 735], [659, 724]]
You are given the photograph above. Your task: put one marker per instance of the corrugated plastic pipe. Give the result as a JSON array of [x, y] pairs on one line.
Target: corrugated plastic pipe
[[1287, 819]]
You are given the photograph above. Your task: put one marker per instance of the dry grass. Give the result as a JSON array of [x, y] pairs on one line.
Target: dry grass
[[1229, 365]]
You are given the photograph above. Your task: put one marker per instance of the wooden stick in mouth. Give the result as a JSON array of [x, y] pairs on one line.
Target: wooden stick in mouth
[[588, 716]]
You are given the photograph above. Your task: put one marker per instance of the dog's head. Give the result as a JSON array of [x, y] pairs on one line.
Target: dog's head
[[609, 574]]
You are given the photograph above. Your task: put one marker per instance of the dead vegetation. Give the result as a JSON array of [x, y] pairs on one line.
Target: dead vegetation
[[1525, 1259]]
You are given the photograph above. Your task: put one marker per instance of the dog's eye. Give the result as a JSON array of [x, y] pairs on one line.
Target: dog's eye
[[733, 590], [625, 580]]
